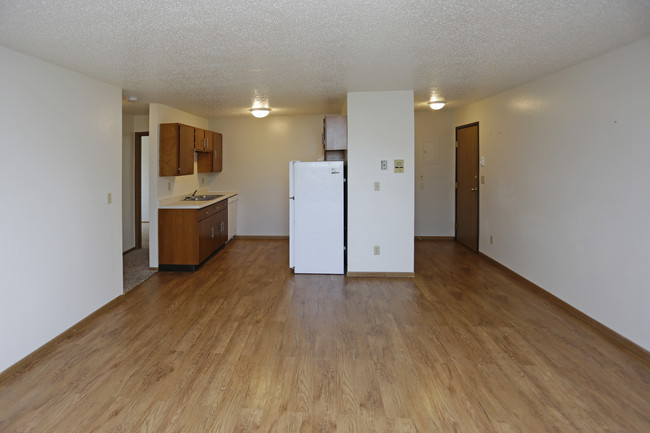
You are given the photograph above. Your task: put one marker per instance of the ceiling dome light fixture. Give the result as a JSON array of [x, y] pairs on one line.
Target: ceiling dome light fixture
[[437, 105], [132, 99], [260, 112]]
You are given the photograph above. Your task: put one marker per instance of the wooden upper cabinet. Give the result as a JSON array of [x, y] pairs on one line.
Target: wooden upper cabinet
[[176, 149], [217, 152], [213, 161], [202, 140]]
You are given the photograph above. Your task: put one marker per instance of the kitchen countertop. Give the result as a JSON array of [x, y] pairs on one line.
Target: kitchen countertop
[[178, 202]]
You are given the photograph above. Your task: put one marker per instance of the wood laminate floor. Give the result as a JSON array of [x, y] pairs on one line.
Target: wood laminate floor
[[243, 345]]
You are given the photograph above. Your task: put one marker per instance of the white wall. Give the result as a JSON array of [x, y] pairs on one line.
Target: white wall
[[161, 187], [130, 125], [380, 126], [60, 250], [434, 173], [256, 155], [566, 194]]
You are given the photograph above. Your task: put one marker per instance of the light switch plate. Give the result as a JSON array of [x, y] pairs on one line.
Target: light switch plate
[[399, 166]]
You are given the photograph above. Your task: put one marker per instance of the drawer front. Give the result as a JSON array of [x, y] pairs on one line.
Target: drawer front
[[211, 210]]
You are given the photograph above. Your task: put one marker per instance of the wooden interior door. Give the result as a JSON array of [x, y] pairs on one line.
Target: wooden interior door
[[467, 193]]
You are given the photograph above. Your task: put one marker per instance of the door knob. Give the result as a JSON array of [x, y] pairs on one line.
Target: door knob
[[474, 189]]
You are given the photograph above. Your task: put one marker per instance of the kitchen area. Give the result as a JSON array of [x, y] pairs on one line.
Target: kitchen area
[[192, 227], [255, 157]]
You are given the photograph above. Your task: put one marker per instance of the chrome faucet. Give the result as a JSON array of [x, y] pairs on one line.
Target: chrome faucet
[[194, 193]]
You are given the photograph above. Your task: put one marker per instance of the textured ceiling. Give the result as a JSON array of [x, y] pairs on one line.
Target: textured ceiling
[[214, 57]]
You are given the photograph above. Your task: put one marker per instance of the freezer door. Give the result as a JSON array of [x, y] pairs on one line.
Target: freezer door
[[291, 215], [318, 217]]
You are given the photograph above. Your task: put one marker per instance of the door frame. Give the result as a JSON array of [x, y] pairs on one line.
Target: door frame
[[478, 201], [137, 176]]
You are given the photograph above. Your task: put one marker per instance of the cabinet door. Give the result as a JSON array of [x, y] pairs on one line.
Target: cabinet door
[[168, 150], [202, 140], [176, 149], [199, 139], [186, 150], [207, 233], [217, 152], [222, 229]]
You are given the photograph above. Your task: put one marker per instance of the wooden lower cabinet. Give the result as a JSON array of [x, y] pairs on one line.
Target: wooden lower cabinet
[[187, 237]]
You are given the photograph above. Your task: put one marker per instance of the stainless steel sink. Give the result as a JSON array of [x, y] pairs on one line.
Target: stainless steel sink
[[206, 197]]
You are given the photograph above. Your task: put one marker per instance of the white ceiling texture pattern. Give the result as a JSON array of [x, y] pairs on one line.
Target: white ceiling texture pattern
[[213, 58]]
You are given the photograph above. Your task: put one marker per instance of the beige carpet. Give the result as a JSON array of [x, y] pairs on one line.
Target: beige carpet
[[136, 263]]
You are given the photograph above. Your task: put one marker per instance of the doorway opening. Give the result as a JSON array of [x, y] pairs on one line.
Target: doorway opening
[[136, 261], [141, 184], [467, 186]]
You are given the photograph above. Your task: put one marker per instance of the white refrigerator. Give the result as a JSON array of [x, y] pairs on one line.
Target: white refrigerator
[[316, 217]]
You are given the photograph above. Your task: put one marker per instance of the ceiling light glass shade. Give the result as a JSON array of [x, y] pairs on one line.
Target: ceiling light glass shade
[[260, 112], [437, 105]]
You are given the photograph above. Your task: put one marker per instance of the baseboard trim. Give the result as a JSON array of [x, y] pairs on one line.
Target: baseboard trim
[[128, 251], [602, 330], [380, 274], [434, 238], [43, 351], [261, 238]]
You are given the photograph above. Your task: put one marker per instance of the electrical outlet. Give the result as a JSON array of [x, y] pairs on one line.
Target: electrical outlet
[[376, 250], [110, 198], [202, 181], [384, 164], [376, 186], [169, 186], [491, 239]]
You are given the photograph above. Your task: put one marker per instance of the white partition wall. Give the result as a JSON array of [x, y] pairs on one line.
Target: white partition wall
[[380, 128]]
